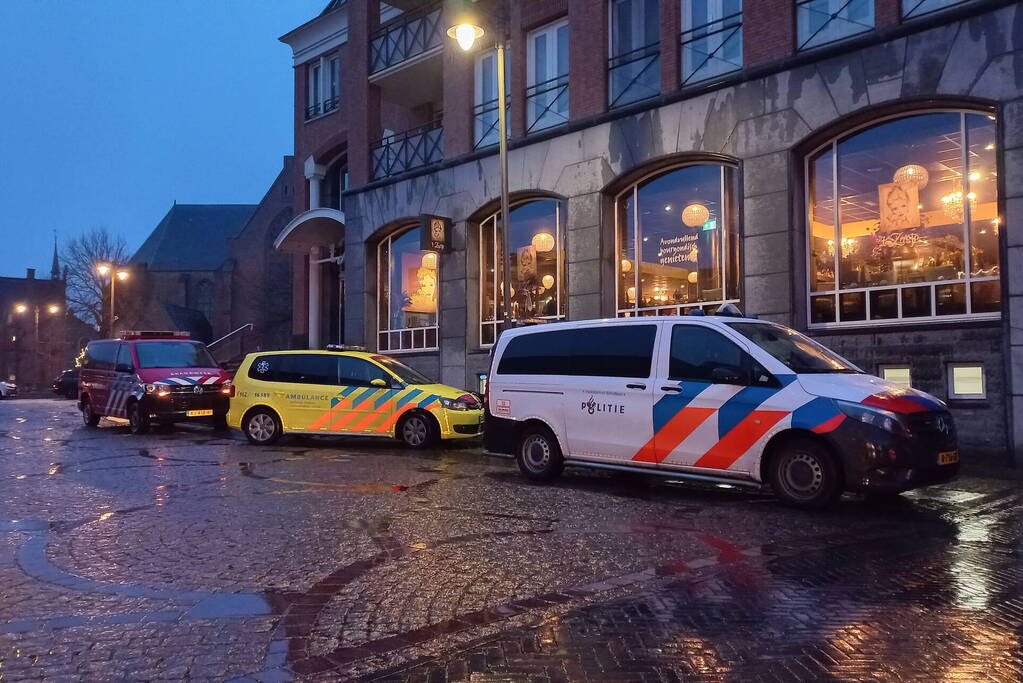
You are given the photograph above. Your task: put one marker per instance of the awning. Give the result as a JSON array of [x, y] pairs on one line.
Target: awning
[[313, 228]]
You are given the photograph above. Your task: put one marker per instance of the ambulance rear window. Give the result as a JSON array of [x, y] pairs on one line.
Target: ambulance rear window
[[612, 351]]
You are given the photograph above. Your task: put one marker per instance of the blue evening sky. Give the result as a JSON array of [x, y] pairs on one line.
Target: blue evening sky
[[112, 109]]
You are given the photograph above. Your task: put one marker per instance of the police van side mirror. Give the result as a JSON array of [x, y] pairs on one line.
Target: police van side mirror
[[723, 375]]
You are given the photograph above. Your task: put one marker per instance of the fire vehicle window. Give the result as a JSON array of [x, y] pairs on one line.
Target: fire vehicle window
[[618, 351], [124, 362], [101, 355], [173, 354]]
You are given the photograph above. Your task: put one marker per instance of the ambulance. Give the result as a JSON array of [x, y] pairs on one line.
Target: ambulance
[[341, 391], [722, 399], [151, 377]]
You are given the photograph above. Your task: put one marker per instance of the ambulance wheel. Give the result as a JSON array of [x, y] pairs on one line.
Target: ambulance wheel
[[539, 456], [262, 427], [417, 431], [138, 421], [804, 474], [90, 418]]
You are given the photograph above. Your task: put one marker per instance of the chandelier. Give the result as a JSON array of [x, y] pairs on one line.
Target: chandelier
[[952, 204], [912, 173]]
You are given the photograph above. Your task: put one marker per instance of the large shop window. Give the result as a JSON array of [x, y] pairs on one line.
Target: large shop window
[[407, 294], [678, 242], [914, 233], [536, 251]]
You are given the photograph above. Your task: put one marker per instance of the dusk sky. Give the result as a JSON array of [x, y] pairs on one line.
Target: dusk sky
[[112, 109]]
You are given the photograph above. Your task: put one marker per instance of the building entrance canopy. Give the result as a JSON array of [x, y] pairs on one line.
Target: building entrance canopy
[[311, 229]]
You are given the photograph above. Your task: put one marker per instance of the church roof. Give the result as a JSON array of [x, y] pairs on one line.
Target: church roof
[[193, 236]]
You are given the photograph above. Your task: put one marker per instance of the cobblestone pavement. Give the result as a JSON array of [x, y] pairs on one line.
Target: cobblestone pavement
[[189, 554]]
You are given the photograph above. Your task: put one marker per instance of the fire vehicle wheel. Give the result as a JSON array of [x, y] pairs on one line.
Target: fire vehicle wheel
[[138, 421], [88, 417], [539, 456], [804, 474], [262, 427]]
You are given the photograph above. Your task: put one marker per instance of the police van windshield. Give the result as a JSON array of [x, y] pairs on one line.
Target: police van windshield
[[173, 354], [402, 371], [800, 353]]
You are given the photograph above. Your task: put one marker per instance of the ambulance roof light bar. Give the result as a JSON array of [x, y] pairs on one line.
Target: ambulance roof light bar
[[154, 334]]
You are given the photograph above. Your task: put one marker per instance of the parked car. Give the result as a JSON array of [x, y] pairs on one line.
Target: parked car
[[720, 399], [151, 377], [66, 384], [8, 390], [346, 392]]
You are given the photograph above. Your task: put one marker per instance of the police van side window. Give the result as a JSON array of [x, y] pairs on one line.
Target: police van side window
[[700, 354], [615, 351], [100, 356]]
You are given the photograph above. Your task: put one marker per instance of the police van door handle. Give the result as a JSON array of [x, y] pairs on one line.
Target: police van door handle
[[675, 389], [635, 386]]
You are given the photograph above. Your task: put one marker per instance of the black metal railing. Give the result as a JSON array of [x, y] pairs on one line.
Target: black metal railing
[[712, 49], [819, 22], [634, 75], [324, 107], [413, 148], [547, 103], [485, 119], [408, 35]]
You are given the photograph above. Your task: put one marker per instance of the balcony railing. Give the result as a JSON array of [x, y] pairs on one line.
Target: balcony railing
[[324, 107], [819, 22], [547, 104], [408, 150], [914, 8], [409, 35], [634, 75], [713, 49], [485, 124]]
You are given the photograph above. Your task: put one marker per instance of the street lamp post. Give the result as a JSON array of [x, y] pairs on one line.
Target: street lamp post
[[466, 30], [52, 309], [115, 273]]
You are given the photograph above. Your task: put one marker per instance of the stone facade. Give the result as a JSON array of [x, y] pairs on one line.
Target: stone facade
[[765, 124]]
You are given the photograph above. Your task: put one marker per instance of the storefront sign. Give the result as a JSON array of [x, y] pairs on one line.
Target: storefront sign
[[678, 249], [435, 233]]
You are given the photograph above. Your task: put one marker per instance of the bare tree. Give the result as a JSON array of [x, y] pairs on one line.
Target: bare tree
[[86, 289]]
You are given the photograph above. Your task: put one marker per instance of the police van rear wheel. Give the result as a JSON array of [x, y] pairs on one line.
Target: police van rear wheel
[[804, 474], [539, 456], [262, 427]]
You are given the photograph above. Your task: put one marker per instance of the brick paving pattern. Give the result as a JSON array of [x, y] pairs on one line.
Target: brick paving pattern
[[189, 554]]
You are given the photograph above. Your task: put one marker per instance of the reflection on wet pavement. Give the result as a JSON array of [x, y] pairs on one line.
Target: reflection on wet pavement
[[186, 554]]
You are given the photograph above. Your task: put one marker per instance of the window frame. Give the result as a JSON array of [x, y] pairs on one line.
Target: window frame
[[913, 13], [319, 72], [950, 370], [558, 80], [731, 22], [481, 106], [422, 332], [651, 51], [895, 366], [560, 214], [803, 47], [638, 311], [837, 291]]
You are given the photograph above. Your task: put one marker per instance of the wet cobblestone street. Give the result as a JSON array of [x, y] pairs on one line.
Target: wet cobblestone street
[[190, 554]]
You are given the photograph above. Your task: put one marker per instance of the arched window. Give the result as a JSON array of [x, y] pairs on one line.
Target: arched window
[[677, 242], [204, 299], [536, 251], [407, 293], [914, 233]]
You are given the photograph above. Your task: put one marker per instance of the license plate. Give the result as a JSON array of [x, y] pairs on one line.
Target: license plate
[[948, 457], [199, 413]]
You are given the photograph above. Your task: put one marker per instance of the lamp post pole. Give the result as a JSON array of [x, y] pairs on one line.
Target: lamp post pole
[[502, 118]]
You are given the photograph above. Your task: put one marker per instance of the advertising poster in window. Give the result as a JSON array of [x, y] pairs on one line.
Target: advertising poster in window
[[900, 206], [419, 282]]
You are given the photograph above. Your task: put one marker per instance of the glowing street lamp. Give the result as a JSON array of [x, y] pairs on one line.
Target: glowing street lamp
[[115, 273]]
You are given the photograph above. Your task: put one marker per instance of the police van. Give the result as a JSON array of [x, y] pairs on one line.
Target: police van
[[721, 399]]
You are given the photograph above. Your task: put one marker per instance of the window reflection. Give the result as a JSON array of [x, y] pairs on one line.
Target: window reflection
[[536, 252], [407, 293], [916, 205], [677, 242]]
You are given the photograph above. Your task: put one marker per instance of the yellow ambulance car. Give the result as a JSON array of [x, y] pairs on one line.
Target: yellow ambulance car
[[346, 392]]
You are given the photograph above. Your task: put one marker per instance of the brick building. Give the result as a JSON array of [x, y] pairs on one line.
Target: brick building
[[847, 167], [211, 269]]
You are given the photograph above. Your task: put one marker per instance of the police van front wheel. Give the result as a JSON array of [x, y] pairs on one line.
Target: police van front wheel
[[804, 474], [539, 456]]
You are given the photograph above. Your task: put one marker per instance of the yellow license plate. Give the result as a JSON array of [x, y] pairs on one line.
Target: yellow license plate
[[948, 457], [199, 413]]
